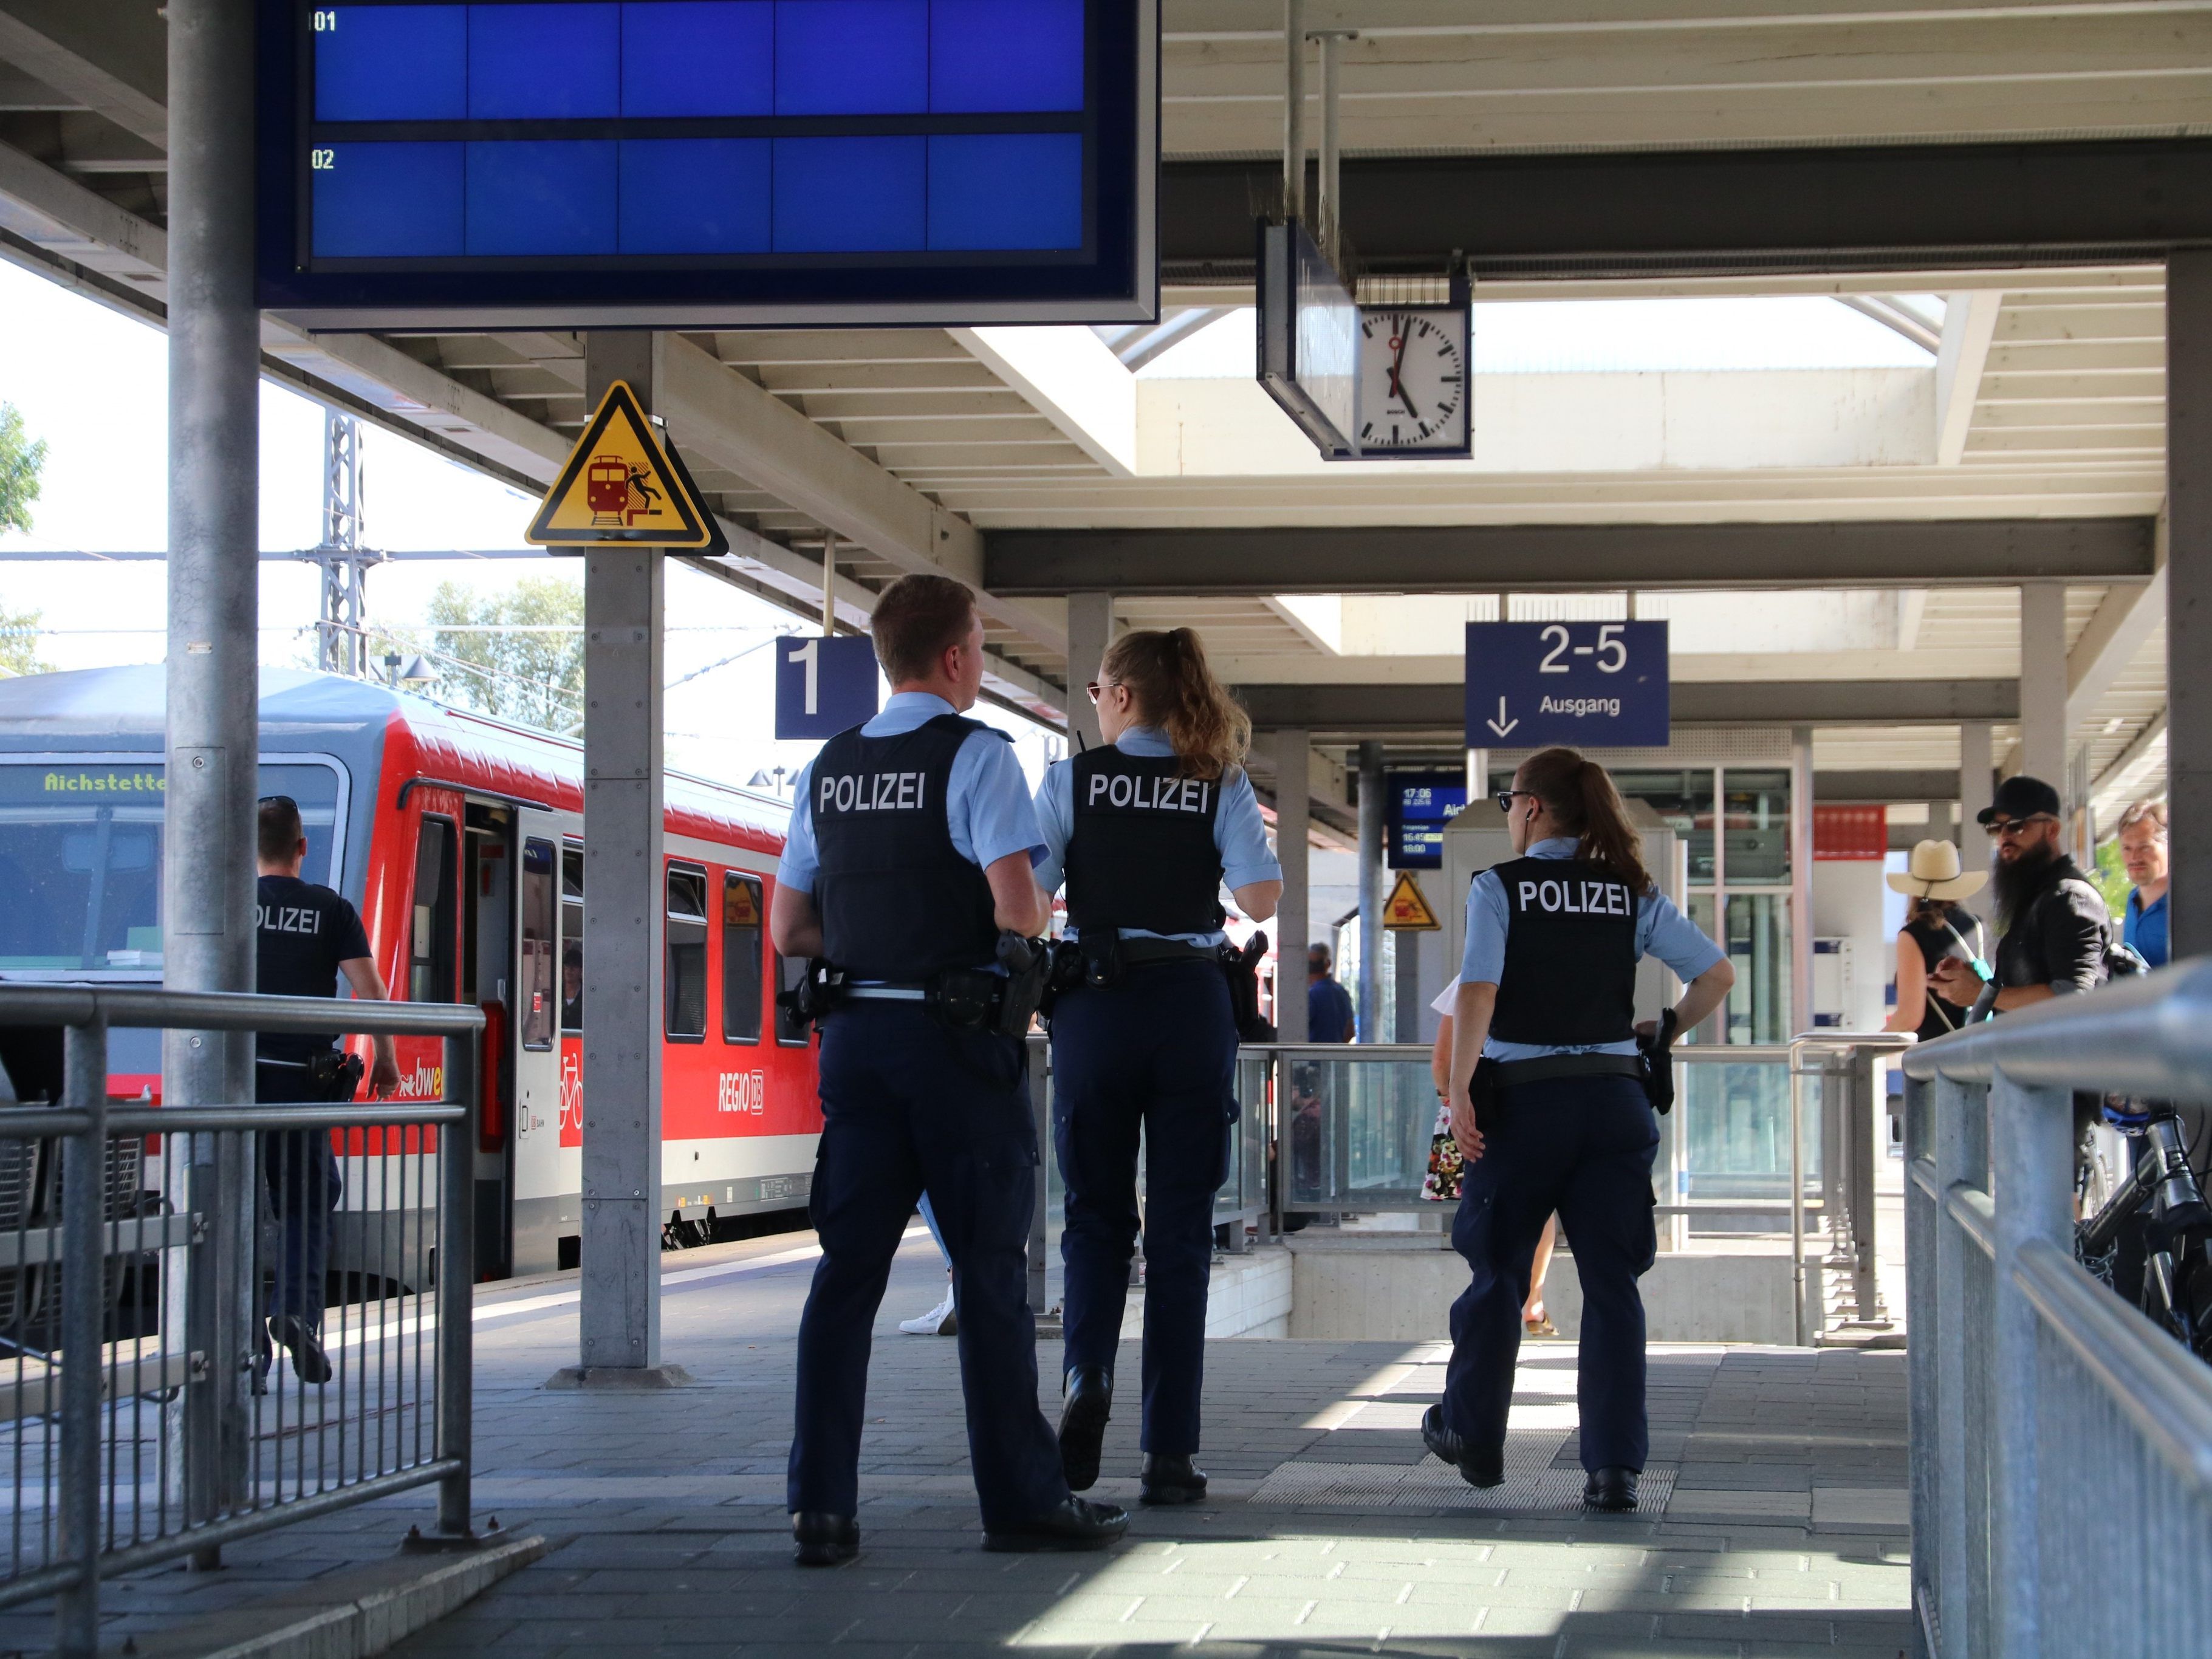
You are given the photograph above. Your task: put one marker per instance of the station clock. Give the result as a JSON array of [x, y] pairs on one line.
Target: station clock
[[1415, 386]]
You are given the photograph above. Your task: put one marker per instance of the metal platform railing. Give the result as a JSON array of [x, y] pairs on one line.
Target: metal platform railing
[[144, 1413], [2062, 1444]]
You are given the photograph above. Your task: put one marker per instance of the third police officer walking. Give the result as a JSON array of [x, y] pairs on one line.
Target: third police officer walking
[[907, 877], [1147, 829], [1552, 1107]]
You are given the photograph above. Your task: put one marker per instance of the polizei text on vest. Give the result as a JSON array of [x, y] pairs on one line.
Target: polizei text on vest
[[876, 792], [1156, 794], [1578, 898]]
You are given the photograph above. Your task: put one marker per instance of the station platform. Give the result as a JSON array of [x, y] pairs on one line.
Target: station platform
[[1775, 1518]]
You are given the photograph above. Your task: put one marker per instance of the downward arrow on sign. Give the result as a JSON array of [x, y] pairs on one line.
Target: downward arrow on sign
[[1501, 724]]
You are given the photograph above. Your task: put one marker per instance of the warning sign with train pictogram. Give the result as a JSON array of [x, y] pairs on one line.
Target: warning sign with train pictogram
[[1408, 907], [622, 488]]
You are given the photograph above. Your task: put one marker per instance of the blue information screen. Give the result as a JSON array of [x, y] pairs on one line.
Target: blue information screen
[[709, 151], [1585, 685], [1421, 804]]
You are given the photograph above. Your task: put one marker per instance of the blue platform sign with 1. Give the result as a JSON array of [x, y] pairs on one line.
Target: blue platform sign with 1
[[1589, 684], [823, 686]]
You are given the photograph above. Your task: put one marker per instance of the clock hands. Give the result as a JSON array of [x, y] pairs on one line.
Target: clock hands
[[1397, 381]]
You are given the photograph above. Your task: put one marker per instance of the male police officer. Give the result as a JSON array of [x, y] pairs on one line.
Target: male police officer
[[910, 851], [305, 936]]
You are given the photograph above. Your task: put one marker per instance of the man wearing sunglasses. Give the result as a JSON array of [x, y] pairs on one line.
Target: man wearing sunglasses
[[2053, 925]]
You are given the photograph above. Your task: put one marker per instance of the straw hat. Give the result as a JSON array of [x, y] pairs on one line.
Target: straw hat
[[1933, 874]]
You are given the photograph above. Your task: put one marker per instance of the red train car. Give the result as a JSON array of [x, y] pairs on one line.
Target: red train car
[[460, 839]]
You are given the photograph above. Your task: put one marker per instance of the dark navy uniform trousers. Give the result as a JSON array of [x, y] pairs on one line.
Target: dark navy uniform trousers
[[1582, 1147], [301, 1174], [1158, 1051], [908, 1107]]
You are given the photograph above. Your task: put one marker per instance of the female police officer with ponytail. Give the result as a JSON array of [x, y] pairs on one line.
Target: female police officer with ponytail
[[1147, 830], [1557, 1116]]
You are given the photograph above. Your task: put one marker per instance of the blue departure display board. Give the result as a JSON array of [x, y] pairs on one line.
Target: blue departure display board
[[562, 162], [1421, 804]]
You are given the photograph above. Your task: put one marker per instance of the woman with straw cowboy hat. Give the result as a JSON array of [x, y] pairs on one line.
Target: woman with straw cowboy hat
[[1936, 926]]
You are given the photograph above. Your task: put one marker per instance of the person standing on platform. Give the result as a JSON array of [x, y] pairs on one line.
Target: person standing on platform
[[1936, 926], [304, 938], [1551, 1112], [907, 859], [1328, 1006], [2144, 847], [1147, 831]]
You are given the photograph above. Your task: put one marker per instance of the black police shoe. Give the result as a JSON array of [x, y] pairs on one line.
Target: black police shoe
[[1090, 1391], [824, 1540], [1170, 1478], [1076, 1524], [1612, 1490], [1479, 1466], [309, 1362]]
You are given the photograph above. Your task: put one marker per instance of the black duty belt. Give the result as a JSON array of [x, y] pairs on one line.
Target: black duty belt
[[1137, 952], [1512, 1073]]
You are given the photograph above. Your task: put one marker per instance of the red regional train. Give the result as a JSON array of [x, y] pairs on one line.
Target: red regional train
[[460, 840]]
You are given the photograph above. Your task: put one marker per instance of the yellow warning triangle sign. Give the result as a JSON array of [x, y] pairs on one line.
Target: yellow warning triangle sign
[[620, 488], [1406, 908]]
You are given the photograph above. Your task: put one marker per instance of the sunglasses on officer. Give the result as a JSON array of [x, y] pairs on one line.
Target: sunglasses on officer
[[1504, 797]]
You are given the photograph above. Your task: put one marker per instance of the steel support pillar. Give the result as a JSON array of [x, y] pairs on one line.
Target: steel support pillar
[[1293, 920], [2189, 593], [1977, 769], [2043, 683], [213, 653], [1090, 631], [624, 926], [1801, 881], [1371, 893], [1406, 1026]]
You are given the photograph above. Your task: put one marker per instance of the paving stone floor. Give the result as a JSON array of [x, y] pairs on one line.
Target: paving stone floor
[[1783, 1533]]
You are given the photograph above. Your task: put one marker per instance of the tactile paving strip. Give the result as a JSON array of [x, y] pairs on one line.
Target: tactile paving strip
[[1532, 1484]]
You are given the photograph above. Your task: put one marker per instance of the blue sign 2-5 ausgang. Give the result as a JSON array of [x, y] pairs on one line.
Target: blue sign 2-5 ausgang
[[824, 687], [1591, 685]]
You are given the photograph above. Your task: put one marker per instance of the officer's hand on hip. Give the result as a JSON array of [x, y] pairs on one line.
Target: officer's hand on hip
[[1467, 1137]]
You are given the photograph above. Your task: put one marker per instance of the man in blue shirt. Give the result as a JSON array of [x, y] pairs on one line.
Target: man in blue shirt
[[1328, 1005], [910, 853], [2143, 849]]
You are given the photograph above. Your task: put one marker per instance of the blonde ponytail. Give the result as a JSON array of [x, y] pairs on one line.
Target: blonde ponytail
[[1166, 673]]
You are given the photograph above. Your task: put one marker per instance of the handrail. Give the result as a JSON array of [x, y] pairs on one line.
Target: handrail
[[2150, 1035], [148, 1007]]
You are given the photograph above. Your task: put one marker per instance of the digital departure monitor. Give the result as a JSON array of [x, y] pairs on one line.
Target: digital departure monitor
[[695, 163]]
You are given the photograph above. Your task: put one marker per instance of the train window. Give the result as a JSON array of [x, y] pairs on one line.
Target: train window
[[687, 955], [572, 940], [741, 957], [790, 1030], [534, 989], [430, 961]]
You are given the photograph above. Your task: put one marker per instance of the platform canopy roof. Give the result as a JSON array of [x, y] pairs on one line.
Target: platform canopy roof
[[1991, 186]]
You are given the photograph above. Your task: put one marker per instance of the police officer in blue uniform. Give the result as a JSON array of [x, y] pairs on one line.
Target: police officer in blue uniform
[[1553, 1110], [911, 849], [1147, 831]]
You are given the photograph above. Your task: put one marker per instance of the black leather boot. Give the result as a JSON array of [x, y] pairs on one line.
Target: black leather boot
[[1611, 1489], [1170, 1478], [824, 1540], [1090, 1393], [1483, 1467], [1076, 1524]]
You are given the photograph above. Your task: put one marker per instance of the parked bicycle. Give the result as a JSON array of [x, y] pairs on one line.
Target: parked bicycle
[[2157, 1209]]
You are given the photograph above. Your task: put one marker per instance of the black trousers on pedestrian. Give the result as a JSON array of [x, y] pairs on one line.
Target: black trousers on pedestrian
[[1156, 1053], [908, 1107], [300, 1174], [1584, 1146]]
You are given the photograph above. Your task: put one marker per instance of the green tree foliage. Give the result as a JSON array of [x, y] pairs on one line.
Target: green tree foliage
[[18, 643], [530, 661], [21, 460], [2111, 876]]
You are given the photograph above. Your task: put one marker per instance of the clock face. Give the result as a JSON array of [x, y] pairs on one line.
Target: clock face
[[1413, 378]]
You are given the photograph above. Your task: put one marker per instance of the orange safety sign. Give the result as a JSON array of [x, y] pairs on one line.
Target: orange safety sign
[[1406, 908], [621, 488]]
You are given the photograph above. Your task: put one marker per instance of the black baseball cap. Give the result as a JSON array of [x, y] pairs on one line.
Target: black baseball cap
[[2021, 797]]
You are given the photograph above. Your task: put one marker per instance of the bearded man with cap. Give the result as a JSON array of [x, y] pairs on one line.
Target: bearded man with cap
[[2052, 924], [1937, 926]]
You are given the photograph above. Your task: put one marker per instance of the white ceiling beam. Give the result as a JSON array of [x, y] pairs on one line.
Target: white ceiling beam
[[53, 41], [1970, 324], [744, 430], [2119, 776], [2129, 614], [95, 232]]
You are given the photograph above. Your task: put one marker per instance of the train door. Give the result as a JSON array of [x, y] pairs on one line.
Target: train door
[[488, 918], [534, 1121]]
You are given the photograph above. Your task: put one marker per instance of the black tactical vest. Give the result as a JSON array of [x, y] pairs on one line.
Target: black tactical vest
[[1142, 853], [1570, 976], [898, 903]]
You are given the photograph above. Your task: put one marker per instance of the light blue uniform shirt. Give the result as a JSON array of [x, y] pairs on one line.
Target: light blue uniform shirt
[[1239, 835], [1661, 931], [986, 801]]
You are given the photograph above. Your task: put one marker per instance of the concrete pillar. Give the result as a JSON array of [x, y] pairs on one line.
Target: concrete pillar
[[2043, 683], [2189, 593], [1294, 814], [625, 914], [1090, 631], [1406, 1027], [1371, 892], [1977, 769]]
